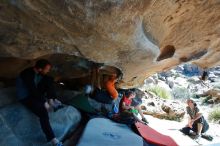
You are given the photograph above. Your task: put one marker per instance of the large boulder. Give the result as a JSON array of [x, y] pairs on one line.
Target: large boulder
[[7, 96], [19, 126], [140, 37]]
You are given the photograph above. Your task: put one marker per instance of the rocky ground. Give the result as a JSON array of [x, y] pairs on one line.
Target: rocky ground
[[171, 128], [182, 83]]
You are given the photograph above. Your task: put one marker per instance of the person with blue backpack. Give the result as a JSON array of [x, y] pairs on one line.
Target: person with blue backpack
[[35, 90]]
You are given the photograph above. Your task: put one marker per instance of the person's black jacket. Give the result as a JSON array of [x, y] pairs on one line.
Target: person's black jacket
[[37, 91]]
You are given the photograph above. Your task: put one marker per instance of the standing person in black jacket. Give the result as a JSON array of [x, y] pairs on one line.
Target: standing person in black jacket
[[34, 87]]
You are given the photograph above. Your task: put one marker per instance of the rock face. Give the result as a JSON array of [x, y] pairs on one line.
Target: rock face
[[139, 37], [21, 127]]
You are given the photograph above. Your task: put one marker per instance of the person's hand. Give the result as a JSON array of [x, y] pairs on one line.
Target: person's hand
[[47, 106], [192, 120], [54, 102], [57, 102], [57, 105]]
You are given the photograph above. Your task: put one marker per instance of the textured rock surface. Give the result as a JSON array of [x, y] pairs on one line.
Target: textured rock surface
[[7, 96], [163, 109], [19, 126], [140, 37]]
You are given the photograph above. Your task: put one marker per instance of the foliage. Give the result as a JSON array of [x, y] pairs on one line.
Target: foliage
[[214, 115], [181, 93], [206, 99], [176, 75], [160, 92]]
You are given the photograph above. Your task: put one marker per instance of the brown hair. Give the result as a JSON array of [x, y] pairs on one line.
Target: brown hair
[[190, 100]]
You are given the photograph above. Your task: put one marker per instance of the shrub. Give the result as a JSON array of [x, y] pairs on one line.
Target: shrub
[[214, 115], [181, 93], [160, 92], [205, 99]]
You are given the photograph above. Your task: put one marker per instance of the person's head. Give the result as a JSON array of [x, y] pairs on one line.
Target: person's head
[[130, 94], [190, 103], [110, 77], [43, 66], [113, 77]]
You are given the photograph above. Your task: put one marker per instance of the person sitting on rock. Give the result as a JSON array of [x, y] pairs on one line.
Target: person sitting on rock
[[127, 112], [34, 87], [136, 103], [196, 121]]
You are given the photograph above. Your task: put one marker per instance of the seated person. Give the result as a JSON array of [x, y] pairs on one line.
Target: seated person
[[127, 112], [33, 86], [102, 94], [196, 121], [106, 92], [136, 102]]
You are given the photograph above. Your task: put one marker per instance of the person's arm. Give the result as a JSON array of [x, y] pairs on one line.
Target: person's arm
[[198, 115], [110, 87]]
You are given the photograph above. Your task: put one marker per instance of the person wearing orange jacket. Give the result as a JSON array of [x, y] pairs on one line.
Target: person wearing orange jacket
[[106, 91]]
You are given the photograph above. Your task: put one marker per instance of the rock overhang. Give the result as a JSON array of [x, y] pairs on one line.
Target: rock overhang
[[138, 37]]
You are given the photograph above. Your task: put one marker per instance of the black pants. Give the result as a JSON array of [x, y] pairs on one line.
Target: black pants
[[46, 90], [37, 107], [201, 120]]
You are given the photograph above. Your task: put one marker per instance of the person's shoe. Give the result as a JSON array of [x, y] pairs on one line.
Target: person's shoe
[[145, 120], [208, 137], [197, 137], [59, 144], [193, 134]]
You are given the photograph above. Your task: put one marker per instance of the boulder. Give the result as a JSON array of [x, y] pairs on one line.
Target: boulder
[[19, 126], [7, 96], [140, 37]]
